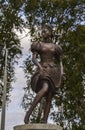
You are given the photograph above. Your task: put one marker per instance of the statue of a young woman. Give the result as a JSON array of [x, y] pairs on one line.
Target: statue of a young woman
[[47, 79]]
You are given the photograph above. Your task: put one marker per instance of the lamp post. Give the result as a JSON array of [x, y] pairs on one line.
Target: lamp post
[[4, 92], [4, 85]]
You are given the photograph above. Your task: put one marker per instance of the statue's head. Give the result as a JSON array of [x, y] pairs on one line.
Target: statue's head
[[47, 31]]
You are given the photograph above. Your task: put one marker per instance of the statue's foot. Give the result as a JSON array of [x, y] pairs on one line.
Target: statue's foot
[[26, 121], [43, 121]]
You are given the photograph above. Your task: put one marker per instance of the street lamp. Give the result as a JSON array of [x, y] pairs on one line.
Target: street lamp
[[5, 85], [4, 92]]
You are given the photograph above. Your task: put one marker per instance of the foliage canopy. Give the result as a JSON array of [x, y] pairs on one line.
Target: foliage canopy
[[68, 20]]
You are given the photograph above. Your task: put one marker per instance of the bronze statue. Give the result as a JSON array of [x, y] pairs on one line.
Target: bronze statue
[[47, 79]]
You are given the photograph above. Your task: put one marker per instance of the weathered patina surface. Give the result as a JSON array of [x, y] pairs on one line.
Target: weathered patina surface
[[47, 78]]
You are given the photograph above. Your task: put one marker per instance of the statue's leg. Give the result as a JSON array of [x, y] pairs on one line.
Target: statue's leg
[[47, 107], [38, 97]]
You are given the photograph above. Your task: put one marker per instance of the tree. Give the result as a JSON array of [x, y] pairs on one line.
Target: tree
[[10, 19], [67, 17]]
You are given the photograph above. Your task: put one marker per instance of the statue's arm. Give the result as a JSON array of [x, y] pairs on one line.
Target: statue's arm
[[35, 61], [61, 65], [62, 71], [59, 58]]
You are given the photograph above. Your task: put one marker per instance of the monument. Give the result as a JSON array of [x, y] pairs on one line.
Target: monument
[[46, 80]]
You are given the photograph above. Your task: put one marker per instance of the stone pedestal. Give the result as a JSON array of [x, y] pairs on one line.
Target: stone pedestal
[[38, 127]]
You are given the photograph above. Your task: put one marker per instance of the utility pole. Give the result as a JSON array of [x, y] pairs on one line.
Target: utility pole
[[4, 92]]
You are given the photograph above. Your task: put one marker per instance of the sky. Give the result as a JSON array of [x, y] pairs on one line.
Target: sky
[[14, 112]]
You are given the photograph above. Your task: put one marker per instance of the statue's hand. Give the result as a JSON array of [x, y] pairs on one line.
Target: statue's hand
[[41, 71]]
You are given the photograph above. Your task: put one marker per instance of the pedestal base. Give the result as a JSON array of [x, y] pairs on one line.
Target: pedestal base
[[38, 127]]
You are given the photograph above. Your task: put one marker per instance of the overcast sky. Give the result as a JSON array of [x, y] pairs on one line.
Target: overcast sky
[[14, 112]]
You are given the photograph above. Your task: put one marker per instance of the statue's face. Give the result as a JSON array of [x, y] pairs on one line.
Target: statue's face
[[46, 33]]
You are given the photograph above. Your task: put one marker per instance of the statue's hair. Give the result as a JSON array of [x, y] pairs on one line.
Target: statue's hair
[[49, 27]]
